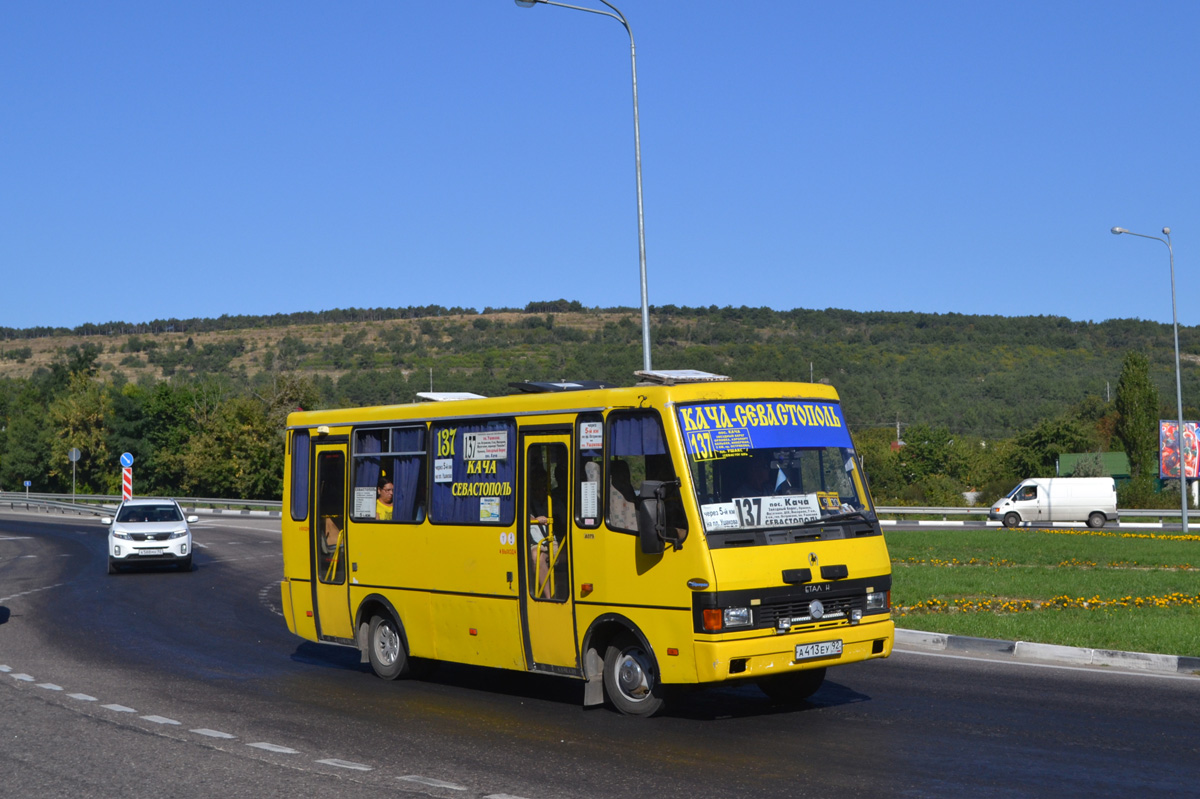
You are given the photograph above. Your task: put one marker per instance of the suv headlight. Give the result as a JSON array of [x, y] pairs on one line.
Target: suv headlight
[[121, 535], [179, 534]]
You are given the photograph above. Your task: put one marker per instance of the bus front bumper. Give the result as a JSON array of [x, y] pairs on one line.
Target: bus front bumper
[[748, 658]]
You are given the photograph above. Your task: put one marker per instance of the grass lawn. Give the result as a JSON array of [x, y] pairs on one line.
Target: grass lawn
[[1131, 591]]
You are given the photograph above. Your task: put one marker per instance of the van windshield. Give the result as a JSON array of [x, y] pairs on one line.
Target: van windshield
[[772, 464]]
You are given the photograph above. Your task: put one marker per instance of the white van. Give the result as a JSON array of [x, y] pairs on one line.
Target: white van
[[1059, 499]]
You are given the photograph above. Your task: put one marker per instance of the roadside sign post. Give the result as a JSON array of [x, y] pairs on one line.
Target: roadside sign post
[[27, 484], [73, 456], [126, 476]]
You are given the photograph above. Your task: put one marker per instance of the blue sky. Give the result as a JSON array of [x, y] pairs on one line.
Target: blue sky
[[172, 159]]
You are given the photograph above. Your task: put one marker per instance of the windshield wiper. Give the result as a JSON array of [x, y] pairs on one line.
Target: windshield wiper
[[837, 517]]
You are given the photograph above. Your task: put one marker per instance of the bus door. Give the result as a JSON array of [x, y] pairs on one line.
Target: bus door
[[547, 603], [331, 597]]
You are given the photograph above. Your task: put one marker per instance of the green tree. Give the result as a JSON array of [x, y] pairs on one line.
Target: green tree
[[1137, 423], [77, 419], [1034, 453]]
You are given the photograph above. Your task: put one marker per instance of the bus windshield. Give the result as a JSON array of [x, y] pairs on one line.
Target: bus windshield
[[772, 464]]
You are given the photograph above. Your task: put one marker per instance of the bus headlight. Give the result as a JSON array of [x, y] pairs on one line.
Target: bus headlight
[[736, 617], [877, 600]]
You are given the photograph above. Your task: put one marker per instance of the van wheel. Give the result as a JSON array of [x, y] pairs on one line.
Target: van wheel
[[1012, 520], [1097, 519], [385, 648], [631, 679]]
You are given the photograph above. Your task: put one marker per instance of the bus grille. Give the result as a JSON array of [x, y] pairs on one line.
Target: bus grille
[[798, 611]]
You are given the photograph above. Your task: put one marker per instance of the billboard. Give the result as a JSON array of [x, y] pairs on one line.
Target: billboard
[[1168, 450]]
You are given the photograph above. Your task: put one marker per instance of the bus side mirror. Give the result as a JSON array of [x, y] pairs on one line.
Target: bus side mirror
[[653, 528]]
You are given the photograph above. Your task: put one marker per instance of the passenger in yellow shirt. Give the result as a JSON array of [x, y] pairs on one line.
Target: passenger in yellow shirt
[[383, 500]]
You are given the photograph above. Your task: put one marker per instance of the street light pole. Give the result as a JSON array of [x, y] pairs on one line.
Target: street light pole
[[1178, 382], [637, 157]]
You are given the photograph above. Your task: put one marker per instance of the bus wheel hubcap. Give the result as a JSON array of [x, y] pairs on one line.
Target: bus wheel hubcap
[[631, 676], [387, 645]]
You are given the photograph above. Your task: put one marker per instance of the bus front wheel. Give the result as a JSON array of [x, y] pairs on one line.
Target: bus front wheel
[[631, 679], [385, 648]]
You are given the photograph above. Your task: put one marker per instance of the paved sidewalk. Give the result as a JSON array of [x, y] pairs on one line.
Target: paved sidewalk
[[1047, 653]]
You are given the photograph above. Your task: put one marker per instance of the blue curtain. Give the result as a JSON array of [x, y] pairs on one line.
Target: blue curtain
[[300, 475], [450, 509], [636, 434], [367, 470], [406, 474]]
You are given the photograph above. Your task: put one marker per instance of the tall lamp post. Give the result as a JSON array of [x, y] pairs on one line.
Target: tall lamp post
[[1117, 231], [637, 156]]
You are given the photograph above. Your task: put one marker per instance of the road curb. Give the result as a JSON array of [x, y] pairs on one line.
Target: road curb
[[1048, 653]]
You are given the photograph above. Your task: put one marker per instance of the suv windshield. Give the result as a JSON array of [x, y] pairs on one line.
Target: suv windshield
[[149, 513], [772, 464]]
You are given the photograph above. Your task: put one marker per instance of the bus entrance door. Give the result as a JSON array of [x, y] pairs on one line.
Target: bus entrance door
[[331, 597], [547, 603]]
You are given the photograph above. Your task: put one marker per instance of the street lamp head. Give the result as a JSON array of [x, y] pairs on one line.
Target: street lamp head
[[1166, 231], [1117, 231], [526, 3]]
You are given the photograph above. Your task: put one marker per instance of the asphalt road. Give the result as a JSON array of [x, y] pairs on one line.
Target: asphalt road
[[189, 685]]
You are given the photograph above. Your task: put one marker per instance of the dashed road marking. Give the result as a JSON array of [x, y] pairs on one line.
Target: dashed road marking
[[284, 750], [160, 719], [83, 697], [49, 686], [333, 761], [23, 677], [30, 591], [431, 782], [119, 708], [213, 733]]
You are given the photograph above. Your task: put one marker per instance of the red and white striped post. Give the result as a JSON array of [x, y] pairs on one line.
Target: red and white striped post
[[126, 476]]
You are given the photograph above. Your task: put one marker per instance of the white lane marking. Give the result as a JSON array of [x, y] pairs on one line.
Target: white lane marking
[[213, 733], [1024, 663], [119, 708], [274, 748], [5, 669], [431, 782], [160, 719], [49, 686], [83, 697], [333, 761], [30, 591], [502, 796], [23, 677], [198, 544], [16, 538]]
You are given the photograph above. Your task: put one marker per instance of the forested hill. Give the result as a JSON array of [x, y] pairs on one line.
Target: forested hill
[[987, 376]]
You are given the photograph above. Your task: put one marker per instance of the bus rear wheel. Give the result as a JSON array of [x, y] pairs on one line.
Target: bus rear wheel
[[794, 687], [385, 648], [631, 679]]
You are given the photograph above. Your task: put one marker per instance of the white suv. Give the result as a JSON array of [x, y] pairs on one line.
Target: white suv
[[149, 531]]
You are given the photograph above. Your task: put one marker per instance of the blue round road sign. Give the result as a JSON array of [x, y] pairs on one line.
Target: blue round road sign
[[126, 460], [28, 483]]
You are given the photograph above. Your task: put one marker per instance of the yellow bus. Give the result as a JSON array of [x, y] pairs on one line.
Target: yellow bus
[[686, 530]]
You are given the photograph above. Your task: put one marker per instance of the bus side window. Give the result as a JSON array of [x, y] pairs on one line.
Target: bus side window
[[637, 451]]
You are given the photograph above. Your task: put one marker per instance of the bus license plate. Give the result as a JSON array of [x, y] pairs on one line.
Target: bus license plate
[[821, 649]]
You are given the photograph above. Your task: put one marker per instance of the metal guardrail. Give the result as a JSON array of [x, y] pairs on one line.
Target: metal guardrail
[[915, 510], [99, 504], [102, 504]]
